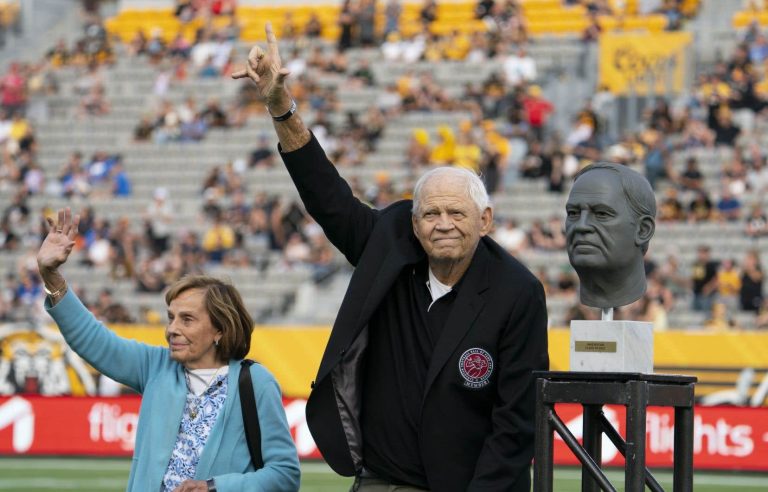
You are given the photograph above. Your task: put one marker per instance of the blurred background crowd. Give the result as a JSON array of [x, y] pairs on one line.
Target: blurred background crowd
[[134, 122]]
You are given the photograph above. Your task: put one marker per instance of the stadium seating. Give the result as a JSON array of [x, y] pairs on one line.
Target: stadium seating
[[182, 167]]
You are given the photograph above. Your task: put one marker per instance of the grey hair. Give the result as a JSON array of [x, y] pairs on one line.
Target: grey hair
[[474, 186]]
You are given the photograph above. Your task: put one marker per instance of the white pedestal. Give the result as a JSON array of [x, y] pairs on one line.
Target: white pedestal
[[612, 346]]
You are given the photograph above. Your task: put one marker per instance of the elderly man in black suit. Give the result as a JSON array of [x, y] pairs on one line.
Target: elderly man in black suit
[[426, 382]]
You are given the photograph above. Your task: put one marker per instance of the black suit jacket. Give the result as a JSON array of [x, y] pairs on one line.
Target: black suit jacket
[[476, 432]]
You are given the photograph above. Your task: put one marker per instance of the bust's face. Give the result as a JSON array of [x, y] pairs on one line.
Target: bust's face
[[600, 227]]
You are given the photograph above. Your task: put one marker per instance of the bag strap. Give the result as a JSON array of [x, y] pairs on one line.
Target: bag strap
[[250, 414]]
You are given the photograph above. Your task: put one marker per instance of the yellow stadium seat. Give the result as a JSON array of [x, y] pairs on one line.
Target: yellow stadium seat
[[559, 14], [745, 18]]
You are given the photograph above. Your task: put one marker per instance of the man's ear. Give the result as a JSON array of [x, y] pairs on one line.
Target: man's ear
[[486, 221], [646, 226]]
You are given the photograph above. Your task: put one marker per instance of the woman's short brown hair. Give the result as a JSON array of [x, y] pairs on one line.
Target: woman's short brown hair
[[226, 309]]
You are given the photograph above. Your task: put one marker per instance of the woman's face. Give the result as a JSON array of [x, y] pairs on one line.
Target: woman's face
[[190, 333]]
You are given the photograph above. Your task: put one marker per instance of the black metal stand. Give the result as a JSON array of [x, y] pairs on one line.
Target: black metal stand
[[595, 389]]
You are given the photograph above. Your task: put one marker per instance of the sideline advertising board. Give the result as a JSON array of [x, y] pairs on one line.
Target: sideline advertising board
[[725, 438]]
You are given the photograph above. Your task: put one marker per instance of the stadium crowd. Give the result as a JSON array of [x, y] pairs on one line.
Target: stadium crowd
[[506, 139]]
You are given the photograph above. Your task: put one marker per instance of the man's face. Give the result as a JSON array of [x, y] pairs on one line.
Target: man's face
[[600, 227], [448, 224]]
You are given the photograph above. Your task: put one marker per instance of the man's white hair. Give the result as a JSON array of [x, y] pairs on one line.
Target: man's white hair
[[475, 187]]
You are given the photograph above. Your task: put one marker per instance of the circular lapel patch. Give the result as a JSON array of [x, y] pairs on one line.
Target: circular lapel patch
[[476, 367]]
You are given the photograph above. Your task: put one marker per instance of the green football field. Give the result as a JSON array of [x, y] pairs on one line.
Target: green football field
[[107, 475]]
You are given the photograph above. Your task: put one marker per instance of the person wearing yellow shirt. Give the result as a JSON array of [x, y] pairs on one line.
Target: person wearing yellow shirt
[[219, 239], [496, 140], [467, 153], [458, 46], [728, 284], [444, 153], [19, 127], [417, 155]]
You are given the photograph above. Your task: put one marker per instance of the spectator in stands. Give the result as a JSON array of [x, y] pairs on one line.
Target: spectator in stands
[[720, 121], [567, 281], [757, 222], [366, 18], [671, 10], [670, 207], [392, 13], [691, 178], [94, 103], [218, 239], [728, 284], [33, 176], [428, 14], [13, 96], [313, 29], [704, 279], [412, 238], [59, 55], [751, 287], [158, 220], [108, 310], [536, 163], [418, 152], [262, 156], [483, 9], [467, 153], [121, 183], [719, 318], [700, 208], [213, 115], [124, 244], [656, 157], [537, 111], [758, 50], [592, 32], [138, 44], [444, 152], [761, 322], [156, 46], [519, 67], [149, 276], [143, 131], [728, 206], [511, 237], [363, 74], [296, 250], [757, 175], [209, 332], [179, 47], [347, 20]]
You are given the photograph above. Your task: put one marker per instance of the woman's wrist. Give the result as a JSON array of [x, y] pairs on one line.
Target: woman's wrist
[[54, 285]]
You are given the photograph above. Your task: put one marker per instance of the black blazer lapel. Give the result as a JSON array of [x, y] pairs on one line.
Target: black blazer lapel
[[407, 251], [466, 308], [377, 282]]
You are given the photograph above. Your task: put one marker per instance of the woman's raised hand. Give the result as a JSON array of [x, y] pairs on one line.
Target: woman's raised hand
[[59, 242]]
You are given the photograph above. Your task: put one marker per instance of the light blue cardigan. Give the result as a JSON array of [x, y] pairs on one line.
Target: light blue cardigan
[[160, 380]]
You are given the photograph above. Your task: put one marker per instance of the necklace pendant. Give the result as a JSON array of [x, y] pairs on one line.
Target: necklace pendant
[[193, 413]]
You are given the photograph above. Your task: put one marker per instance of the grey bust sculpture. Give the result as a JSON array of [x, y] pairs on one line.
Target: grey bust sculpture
[[610, 220]]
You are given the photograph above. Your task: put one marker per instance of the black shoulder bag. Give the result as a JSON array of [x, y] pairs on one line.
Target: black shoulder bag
[[250, 414]]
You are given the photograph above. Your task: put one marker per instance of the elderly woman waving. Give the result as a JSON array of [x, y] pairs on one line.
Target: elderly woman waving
[[190, 433]]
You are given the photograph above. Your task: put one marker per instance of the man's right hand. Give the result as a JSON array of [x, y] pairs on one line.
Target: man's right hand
[[267, 71]]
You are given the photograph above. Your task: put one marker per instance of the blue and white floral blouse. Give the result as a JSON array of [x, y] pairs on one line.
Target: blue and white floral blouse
[[200, 413]]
